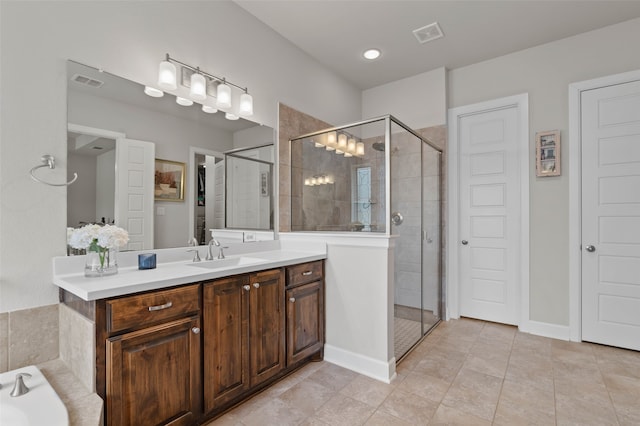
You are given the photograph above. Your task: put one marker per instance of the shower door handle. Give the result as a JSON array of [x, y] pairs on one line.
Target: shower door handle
[[397, 218]]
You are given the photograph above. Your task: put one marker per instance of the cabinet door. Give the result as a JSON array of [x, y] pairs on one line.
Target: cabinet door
[[153, 375], [226, 360], [305, 321], [266, 325]]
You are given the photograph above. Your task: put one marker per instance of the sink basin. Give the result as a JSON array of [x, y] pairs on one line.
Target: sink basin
[[225, 263]]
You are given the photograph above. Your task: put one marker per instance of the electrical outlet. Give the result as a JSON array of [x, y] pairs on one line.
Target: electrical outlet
[[249, 237]]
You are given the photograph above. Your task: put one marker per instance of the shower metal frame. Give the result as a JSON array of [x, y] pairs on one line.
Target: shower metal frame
[[388, 119]]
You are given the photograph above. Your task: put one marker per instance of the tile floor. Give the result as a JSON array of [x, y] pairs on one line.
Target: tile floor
[[466, 372]]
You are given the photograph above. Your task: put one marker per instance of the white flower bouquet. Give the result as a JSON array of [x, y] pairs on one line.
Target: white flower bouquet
[[100, 239]]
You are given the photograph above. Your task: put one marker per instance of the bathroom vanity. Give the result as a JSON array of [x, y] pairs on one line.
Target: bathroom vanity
[[203, 340]]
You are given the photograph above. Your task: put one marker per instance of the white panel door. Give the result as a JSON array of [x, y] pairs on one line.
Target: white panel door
[[489, 203], [218, 194], [610, 124], [135, 191]]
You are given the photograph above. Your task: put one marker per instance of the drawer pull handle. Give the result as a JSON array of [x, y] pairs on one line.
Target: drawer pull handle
[[160, 307], [195, 330], [246, 287], [256, 285], [306, 274], [292, 299]]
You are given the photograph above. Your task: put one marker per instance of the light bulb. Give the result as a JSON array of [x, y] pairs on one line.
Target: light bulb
[[153, 92], [167, 76], [342, 142], [230, 116], [184, 101], [223, 96], [331, 141], [351, 146], [198, 87], [307, 182], [360, 148], [328, 179], [209, 109], [321, 180], [246, 104], [314, 181]]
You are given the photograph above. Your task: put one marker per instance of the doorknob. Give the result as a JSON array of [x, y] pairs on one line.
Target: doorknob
[[465, 242], [397, 218], [590, 249]]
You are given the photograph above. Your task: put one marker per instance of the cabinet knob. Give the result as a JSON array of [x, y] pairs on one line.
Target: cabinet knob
[[256, 285], [247, 287], [292, 299], [195, 330]]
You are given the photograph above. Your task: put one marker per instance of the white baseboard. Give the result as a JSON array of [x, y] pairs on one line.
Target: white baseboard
[[554, 331], [379, 370]]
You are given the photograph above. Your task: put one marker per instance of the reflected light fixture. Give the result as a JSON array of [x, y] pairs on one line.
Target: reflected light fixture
[[167, 75], [199, 81], [184, 101], [198, 86], [209, 109], [360, 149], [331, 141], [230, 116], [153, 92]]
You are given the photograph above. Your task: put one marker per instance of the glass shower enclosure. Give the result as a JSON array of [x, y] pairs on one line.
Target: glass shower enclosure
[[378, 176]]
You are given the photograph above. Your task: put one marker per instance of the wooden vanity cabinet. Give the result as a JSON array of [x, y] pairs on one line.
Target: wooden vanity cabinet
[[305, 311], [153, 370], [244, 342]]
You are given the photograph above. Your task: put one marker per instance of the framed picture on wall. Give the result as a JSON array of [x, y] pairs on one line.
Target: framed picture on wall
[[169, 180], [548, 153]]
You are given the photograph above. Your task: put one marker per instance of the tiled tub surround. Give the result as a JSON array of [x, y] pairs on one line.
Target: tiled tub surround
[[51, 337]]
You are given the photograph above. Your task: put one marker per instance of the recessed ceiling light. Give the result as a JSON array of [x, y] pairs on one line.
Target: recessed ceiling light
[[371, 54]]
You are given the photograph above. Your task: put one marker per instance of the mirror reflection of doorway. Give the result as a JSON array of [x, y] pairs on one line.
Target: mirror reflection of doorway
[[209, 200]]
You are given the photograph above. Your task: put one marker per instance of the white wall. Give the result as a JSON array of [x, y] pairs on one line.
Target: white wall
[[82, 194], [127, 39], [545, 72], [419, 101], [254, 136]]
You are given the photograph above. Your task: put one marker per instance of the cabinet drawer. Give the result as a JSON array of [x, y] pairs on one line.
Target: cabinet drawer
[[144, 309], [304, 273]]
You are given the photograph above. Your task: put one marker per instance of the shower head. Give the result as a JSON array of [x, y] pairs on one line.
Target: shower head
[[378, 146]]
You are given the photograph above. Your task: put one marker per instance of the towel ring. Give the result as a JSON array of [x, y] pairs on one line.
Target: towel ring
[[50, 161]]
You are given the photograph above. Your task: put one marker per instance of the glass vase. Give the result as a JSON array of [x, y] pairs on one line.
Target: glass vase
[[101, 262]]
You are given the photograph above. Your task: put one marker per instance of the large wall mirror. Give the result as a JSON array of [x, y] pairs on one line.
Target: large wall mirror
[[115, 134]]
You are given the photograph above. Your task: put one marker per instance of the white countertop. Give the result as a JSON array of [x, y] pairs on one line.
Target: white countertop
[[68, 272]]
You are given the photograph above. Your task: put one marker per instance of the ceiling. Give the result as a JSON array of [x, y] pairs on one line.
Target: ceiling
[[336, 33]]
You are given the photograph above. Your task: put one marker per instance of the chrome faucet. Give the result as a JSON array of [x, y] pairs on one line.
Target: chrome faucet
[[20, 388], [221, 252], [193, 242], [209, 254], [196, 256]]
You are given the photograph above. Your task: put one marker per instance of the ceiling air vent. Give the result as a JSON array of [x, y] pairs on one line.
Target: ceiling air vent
[[428, 33], [87, 81]]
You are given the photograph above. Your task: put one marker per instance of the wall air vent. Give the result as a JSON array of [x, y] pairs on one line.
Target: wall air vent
[[428, 33], [86, 81]]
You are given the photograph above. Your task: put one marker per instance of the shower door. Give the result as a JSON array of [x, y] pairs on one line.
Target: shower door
[[415, 223]]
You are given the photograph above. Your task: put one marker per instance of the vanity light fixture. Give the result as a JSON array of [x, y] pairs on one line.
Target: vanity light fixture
[[246, 104], [167, 75], [167, 80], [153, 92], [223, 95], [318, 180], [230, 116], [359, 149], [198, 86], [342, 142], [209, 109]]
